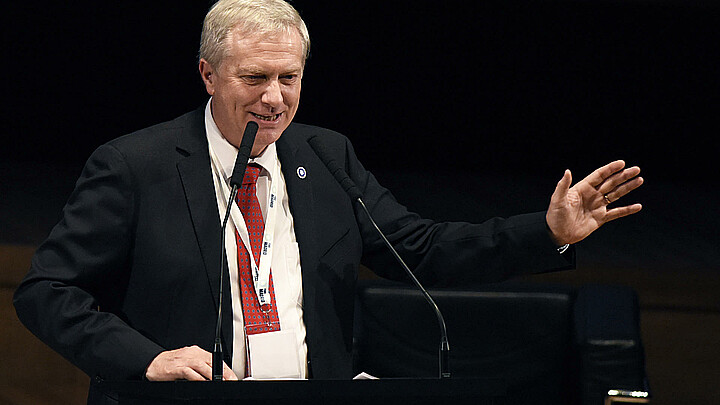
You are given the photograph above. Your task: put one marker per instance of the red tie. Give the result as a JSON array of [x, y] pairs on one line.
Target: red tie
[[256, 320]]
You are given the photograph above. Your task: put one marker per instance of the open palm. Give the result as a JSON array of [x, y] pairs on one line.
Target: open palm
[[576, 212]]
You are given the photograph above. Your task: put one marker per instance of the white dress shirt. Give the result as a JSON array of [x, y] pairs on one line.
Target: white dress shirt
[[285, 265]]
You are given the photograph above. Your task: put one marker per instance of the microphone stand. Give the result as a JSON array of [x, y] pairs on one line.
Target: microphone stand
[[355, 195], [241, 161], [444, 353], [217, 355]]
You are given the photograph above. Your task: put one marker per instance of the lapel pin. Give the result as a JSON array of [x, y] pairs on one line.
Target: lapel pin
[[301, 172]]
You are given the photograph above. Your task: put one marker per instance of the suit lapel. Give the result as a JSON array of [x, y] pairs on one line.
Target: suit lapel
[[294, 154]]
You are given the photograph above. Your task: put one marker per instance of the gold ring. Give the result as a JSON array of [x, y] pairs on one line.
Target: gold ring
[[607, 200]]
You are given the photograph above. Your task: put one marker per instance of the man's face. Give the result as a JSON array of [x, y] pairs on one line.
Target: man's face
[[259, 80]]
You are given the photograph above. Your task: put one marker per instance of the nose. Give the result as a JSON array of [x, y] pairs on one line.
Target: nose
[[272, 96]]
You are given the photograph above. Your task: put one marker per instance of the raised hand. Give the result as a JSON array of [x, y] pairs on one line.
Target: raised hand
[[576, 212]]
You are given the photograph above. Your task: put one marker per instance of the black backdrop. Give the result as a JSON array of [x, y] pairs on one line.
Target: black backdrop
[[491, 99]]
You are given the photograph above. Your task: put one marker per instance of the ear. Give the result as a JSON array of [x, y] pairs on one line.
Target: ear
[[208, 76]]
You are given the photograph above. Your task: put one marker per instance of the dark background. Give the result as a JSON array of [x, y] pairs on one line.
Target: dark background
[[485, 102], [535, 82], [466, 110]]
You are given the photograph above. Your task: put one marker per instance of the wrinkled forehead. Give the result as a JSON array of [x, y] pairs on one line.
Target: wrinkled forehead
[[285, 45], [268, 32]]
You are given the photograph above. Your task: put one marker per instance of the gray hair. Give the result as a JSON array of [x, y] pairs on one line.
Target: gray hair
[[250, 16]]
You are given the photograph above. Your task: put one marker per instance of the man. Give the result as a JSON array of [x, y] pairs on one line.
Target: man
[[126, 285]]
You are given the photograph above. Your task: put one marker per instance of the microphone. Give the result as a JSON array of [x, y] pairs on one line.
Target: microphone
[[356, 195], [235, 181], [243, 155]]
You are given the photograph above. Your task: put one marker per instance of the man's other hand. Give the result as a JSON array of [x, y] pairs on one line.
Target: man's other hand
[[188, 363]]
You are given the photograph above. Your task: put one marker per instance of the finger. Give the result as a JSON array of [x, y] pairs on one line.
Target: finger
[[192, 369], [597, 177], [620, 212], [563, 186], [228, 374], [617, 179], [624, 189], [191, 374], [200, 361]]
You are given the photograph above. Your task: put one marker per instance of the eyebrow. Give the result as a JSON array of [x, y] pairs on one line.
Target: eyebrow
[[256, 70]]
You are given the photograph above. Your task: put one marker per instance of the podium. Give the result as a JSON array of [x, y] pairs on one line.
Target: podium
[[316, 392]]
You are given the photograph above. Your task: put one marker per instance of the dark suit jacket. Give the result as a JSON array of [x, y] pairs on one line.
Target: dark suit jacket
[[133, 267]]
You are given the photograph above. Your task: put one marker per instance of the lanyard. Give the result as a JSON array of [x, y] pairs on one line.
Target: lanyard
[[261, 274]]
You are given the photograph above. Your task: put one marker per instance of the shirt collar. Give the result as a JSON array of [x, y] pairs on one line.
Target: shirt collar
[[227, 153]]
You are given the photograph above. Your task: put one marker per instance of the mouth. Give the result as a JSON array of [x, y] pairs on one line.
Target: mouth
[[268, 118]]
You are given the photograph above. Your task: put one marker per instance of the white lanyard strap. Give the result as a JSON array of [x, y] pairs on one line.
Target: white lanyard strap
[[261, 274]]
